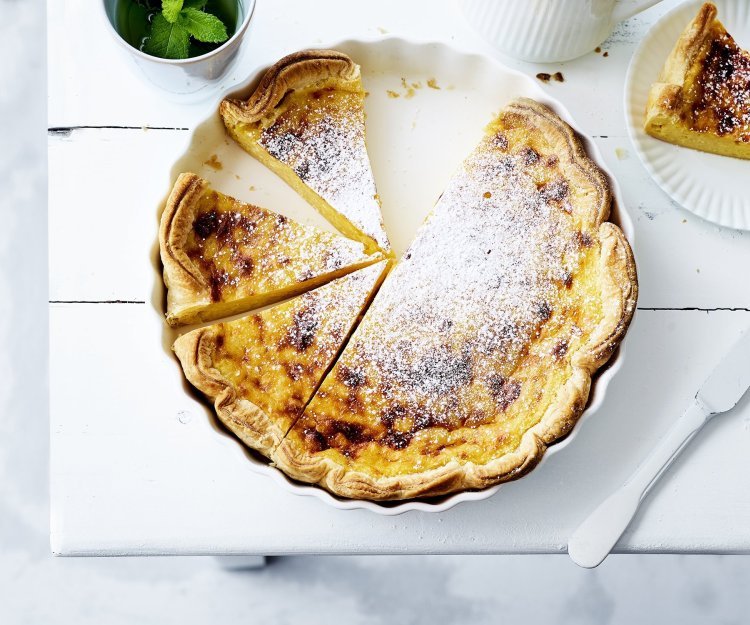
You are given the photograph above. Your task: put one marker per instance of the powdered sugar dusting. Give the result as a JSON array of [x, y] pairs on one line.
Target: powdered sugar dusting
[[472, 290], [329, 155], [254, 351], [327, 313]]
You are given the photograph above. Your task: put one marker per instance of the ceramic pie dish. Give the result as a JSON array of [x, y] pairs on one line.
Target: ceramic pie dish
[[405, 99]]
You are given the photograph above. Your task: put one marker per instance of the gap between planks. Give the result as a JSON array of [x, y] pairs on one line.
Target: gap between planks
[[66, 131]]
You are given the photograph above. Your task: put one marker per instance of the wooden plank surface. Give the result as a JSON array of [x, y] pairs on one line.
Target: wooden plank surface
[[682, 260], [117, 491], [126, 433]]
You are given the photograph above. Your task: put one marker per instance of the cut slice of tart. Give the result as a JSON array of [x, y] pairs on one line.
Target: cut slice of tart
[[306, 122], [260, 370], [702, 97], [478, 351], [222, 256]]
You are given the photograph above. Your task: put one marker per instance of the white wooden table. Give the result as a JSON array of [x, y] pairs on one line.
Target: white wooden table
[[129, 466]]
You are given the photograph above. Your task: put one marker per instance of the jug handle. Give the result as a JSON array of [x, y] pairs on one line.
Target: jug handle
[[625, 9]]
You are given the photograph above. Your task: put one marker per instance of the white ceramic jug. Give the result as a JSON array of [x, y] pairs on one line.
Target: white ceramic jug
[[548, 30]]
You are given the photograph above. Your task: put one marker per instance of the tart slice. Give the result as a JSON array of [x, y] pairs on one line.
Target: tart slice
[[702, 97], [306, 122], [261, 370], [222, 256], [479, 349]]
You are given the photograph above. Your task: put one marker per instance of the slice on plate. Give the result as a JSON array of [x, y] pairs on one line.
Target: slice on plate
[[702, 97], [478, 351], [222, 256], [261, 370], [306, 122]]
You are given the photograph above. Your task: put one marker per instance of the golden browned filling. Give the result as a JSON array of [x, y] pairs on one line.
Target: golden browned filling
[[717, 89], [242, 250], [469, 339], [276, 358]]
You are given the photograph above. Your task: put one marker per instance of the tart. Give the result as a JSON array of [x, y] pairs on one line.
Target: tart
[[702, 97], [222, 256], [261, 370], [479, 350], [306, 122]]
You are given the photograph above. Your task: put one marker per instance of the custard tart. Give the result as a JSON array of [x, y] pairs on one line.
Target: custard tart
[[702, 97], [222, 256], [479, 349], [261, 370], [306, 122]]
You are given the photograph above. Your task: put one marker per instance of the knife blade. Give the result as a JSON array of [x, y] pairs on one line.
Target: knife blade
[[722, 391], [729, 382]]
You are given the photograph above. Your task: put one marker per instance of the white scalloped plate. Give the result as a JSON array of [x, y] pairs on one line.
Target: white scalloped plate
[[711, 186], [415, 142]]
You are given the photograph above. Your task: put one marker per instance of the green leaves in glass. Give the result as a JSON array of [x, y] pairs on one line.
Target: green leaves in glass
[[179, 20], [170, 9], [168, 41], [203, 26]]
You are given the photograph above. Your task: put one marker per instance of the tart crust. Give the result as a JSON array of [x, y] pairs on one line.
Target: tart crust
[[702, 97], [223, 257], [375, 430], [261, 370], [305, 121]]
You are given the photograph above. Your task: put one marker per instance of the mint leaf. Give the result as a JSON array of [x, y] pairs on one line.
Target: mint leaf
[[203, 26], [171, 9], [168, 41]]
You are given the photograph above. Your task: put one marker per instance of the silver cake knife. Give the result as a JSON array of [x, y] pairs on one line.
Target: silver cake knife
[[722, 391]]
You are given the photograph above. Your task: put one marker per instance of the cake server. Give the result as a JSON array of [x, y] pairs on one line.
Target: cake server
[[722, 391]]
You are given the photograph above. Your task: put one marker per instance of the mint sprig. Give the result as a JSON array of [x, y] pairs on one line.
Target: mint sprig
[[167, 40], [203, 26], [171, 9], [194, 4], [178, 21]]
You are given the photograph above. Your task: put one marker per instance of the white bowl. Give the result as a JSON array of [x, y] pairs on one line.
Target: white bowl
[[184, 76], [415, 143]]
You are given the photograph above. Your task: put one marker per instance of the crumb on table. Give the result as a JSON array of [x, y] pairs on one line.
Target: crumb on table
[[545, 77]]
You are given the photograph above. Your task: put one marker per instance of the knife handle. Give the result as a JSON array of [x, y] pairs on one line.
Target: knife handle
[[597, 535]]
